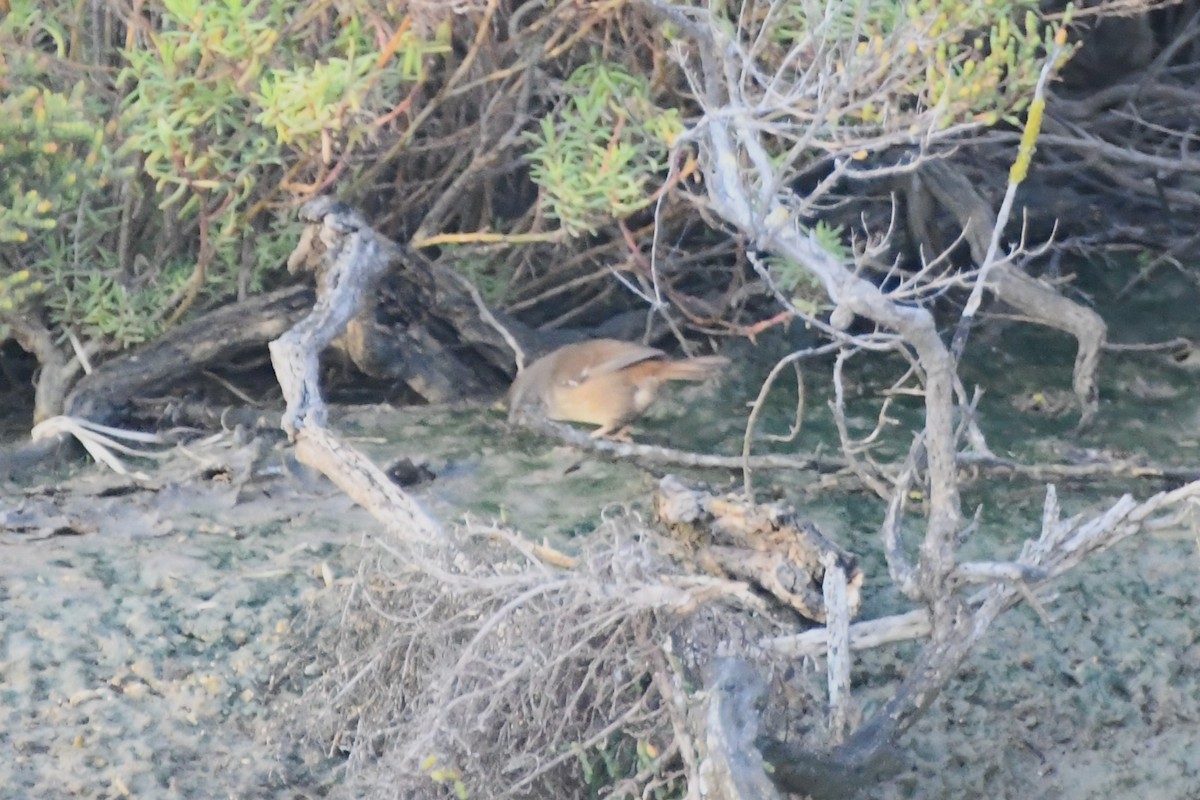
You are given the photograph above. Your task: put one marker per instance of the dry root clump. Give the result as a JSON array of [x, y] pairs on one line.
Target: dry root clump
[[476, 667]]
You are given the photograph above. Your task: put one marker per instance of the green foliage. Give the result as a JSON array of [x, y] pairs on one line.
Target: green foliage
[[52, 145], [302, 103], [219, 98], [806, 292], [446, 776], [56, 157], [803, 287], [831, 239], [188, 103], [227, 93], [221, 94], [596, 157], [28, 21], [489, 276], [621, 758], [15, 290], [50, 153], [102, 308]]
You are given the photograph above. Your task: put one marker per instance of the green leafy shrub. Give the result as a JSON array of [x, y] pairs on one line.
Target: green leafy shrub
[[50, 152], [223, 108], [229, 101], [56, 156], [597, 157]]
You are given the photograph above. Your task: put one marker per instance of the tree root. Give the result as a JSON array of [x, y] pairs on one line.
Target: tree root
[[107, 393], [1036, 300]]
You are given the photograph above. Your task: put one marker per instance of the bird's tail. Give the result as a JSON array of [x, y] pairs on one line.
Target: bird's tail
[[693, 369]]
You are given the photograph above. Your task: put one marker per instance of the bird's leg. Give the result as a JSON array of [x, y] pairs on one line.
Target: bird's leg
[[607, 432]]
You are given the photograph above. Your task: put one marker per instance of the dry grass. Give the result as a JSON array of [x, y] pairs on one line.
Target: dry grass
[[474, 670]]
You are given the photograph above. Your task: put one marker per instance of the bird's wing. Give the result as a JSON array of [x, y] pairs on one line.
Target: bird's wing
[[622, 357]]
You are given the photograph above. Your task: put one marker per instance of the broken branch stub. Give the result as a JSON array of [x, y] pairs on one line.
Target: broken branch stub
[[349, 263], [725, 727], [421, 323], [766, 544]]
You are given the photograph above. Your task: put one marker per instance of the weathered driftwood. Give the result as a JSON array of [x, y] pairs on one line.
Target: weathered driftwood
[[766, 544], [352, 260], [1036, 300], [120, 386], [108, 392], [115, 388], [725, 727], [420, 323]]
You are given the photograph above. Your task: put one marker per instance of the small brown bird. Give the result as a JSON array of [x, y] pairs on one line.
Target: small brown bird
[[604, 382]]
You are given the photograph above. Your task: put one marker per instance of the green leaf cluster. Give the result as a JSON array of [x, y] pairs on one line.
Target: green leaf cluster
[[302, 102], [99, 306], [620, 757], [52, 142], [224, 90], [803, 288], [223, 97], [56, 156], [15, 290], [188, 110], [596, 158], [50, 153]]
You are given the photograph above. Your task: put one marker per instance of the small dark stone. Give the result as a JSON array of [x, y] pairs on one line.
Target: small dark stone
[[405, 473]]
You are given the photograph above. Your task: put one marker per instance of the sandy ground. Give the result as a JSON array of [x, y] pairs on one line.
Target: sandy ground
[[1102, 703], [150, 624], [146, 625]]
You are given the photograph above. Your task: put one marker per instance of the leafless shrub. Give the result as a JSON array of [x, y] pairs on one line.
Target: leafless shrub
[[477, 665]]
